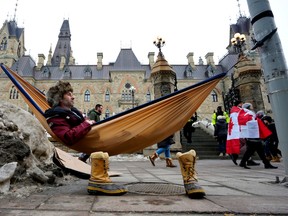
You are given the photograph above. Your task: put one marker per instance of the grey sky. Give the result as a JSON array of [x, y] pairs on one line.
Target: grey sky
[[107, 26]]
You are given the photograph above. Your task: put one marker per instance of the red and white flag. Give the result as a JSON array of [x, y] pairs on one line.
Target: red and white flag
[[243, 124], [233, 134]]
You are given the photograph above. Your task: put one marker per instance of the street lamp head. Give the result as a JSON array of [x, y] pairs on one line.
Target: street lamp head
[[242, 37], [238, 41], [159, 42], [132, 89], [233, 41], [237, 35]]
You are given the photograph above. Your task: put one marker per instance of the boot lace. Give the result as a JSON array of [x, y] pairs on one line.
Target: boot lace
[[190, 171]]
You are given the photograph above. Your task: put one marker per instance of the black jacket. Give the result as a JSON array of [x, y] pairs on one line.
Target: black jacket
[[166, 142], [221, 128]]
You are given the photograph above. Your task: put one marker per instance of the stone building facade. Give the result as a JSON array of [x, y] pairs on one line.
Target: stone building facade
[[110, 85]]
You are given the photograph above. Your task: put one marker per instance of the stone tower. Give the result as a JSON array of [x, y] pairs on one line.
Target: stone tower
[[163, 77], [11, 43], [247, 75], [62, 52]]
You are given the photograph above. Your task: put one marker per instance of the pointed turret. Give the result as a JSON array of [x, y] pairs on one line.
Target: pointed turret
[[49, 57], [63, 47]]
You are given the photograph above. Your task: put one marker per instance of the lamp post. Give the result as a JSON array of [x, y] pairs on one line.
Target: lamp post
[[132, 89], [238, 41], [233, 95], [159, 42]]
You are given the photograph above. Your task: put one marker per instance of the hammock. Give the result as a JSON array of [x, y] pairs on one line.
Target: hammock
[[131, 130]]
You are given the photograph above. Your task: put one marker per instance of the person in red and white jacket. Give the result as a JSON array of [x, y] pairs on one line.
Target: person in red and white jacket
[[253, 130]]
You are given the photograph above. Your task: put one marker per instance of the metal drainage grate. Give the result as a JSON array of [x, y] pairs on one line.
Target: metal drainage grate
[[154, 188]]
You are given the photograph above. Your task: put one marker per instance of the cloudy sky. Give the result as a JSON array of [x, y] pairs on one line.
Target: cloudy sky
[[107, 26]]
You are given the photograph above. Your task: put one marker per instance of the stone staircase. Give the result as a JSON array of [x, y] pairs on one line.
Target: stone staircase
[[203, 143]]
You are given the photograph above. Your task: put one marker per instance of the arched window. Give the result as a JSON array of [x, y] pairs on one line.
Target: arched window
[[3, 45], [11, 94], [148, 96], [14, 94], [214, 96], [107, 113], [127, 92], [107, 96], [87, 96]]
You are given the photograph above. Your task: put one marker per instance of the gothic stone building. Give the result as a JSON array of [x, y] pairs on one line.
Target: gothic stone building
[[110, 85]]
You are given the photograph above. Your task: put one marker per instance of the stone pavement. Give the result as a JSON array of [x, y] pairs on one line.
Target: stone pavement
[[230, 190]]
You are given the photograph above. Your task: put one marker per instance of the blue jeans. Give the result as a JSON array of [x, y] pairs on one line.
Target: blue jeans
[[166, 150]]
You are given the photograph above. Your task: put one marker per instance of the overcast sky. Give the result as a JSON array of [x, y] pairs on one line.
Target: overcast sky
[[200, 26]]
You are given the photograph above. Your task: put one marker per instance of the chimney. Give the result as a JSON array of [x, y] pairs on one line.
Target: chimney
[[191, 60], [209, 59], [40, 64], [151, 59], [99, 61]]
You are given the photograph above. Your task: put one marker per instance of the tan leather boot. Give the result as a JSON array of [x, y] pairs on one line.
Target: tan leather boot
[[100, 182], [169, 163], [153, 157], [275, 159], [187, 162]]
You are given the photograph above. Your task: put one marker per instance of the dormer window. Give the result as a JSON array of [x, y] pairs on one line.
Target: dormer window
[[46, 72], [87, 72], [67, 72], [188, 71]]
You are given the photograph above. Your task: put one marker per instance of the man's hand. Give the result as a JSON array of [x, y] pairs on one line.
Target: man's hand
[[90, 121]]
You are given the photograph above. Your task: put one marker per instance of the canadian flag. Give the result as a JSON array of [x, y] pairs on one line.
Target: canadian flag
[[243, 124]]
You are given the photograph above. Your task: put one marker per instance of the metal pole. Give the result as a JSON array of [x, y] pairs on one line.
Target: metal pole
[[274, 68]]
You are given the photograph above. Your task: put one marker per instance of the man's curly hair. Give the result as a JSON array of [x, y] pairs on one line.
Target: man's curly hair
[[56, 93]]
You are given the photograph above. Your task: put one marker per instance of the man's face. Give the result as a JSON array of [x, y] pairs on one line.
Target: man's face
[[68, 100], [99, 109]]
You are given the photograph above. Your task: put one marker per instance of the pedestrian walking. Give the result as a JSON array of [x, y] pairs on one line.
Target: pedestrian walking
[[164, 146], [255, 131], [189, 129], [220, 133]]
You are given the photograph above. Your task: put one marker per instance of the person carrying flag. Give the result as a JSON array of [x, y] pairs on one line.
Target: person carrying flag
[[253, 130]]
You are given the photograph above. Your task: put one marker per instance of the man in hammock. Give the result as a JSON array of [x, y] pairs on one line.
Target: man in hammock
[[69, 125]]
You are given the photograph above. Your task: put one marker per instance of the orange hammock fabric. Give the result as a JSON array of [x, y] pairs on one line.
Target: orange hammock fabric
[[132, 130]]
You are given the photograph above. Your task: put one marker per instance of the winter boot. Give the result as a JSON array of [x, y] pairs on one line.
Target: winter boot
[[153, 157], [187, 162], [234, 158], [83, 157], [275, 159], [100, 182], [169, 163]]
